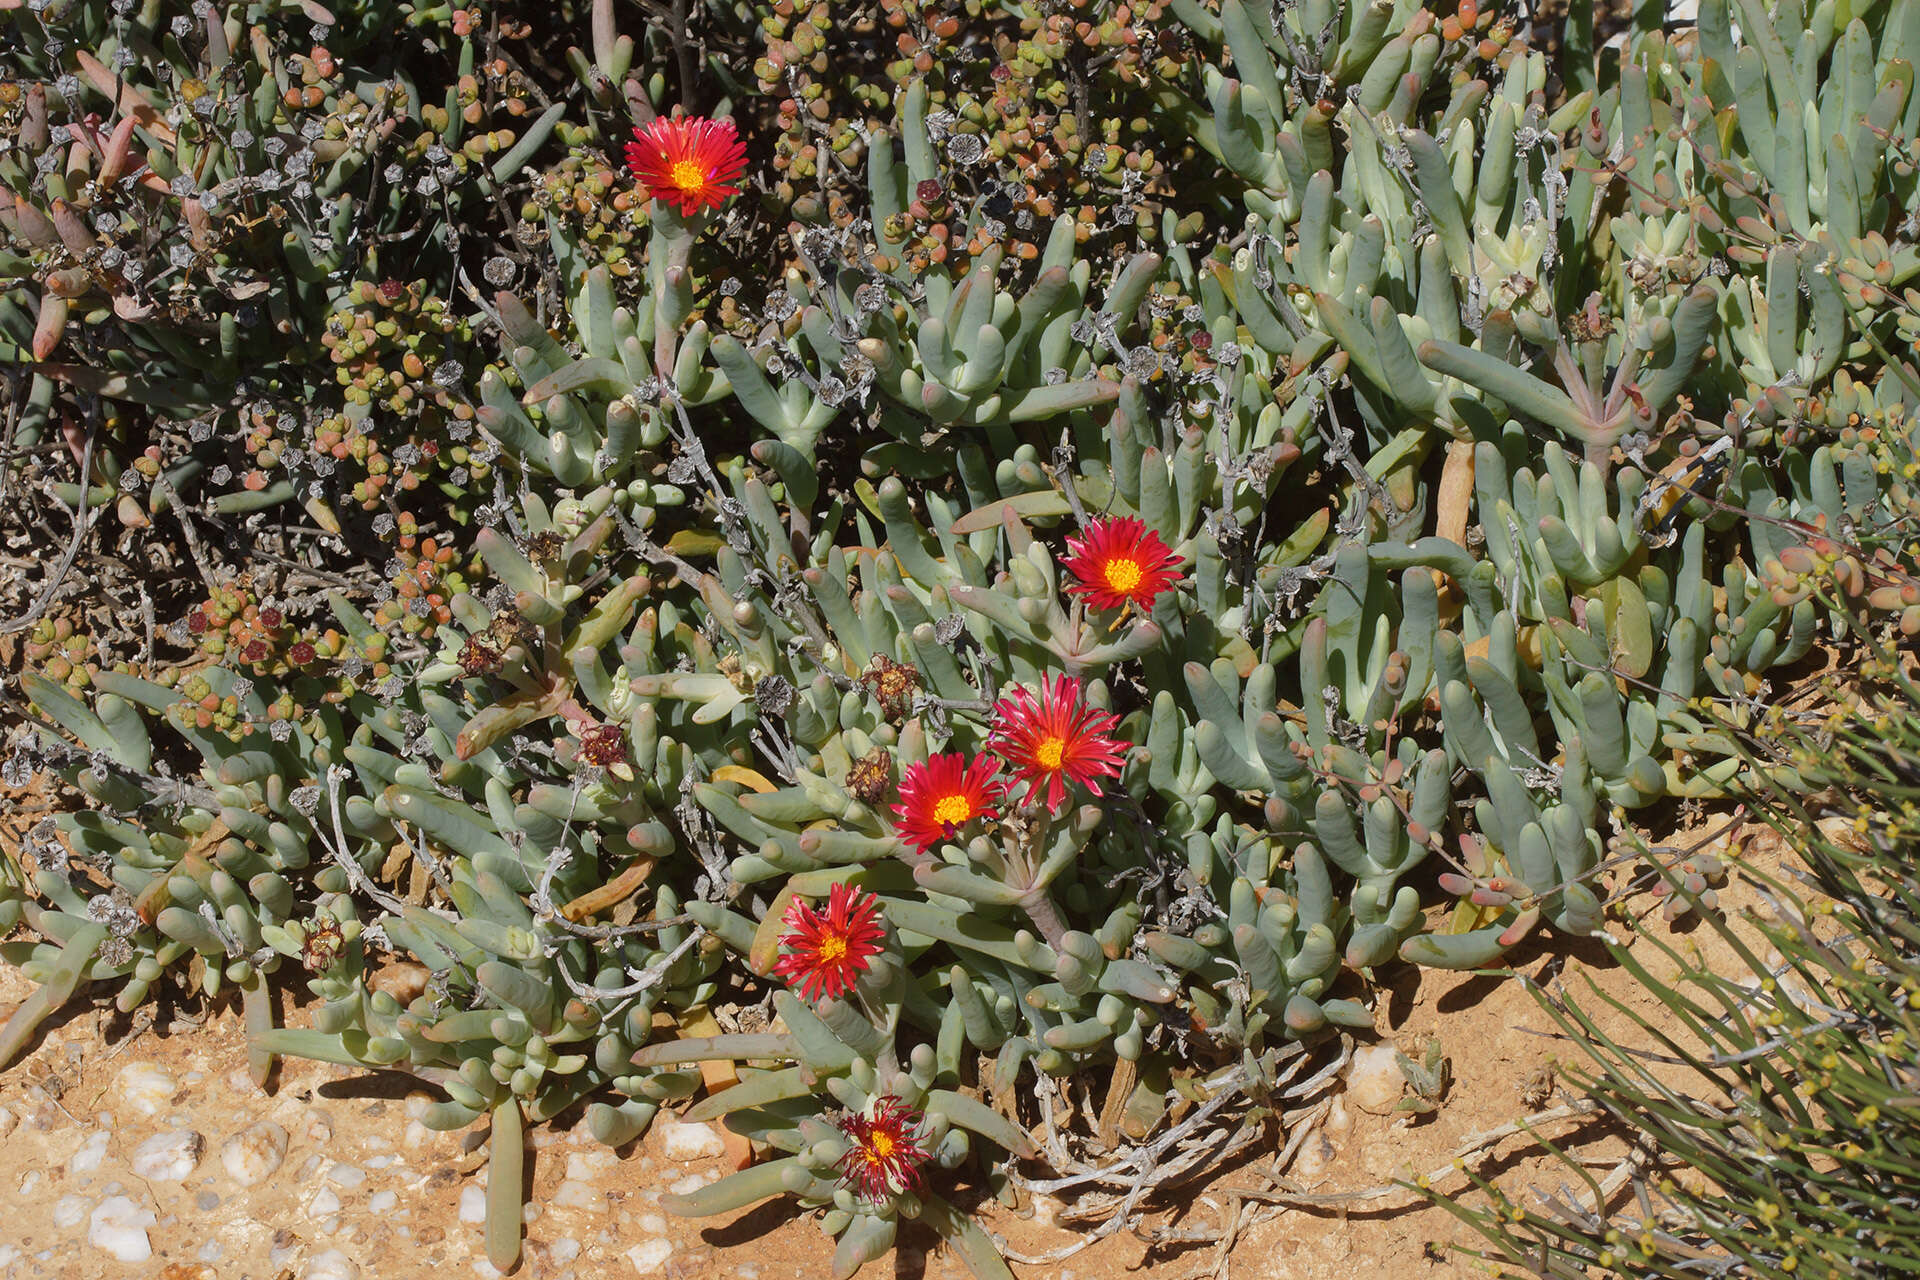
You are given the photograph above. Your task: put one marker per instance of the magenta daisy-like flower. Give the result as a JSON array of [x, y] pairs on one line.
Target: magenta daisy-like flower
[[945, 794], [1055, 739], [692, 162], [827, 951], [885, 1155], [1119, 561]]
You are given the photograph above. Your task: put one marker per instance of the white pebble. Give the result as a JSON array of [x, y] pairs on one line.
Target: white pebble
[[653, 1223], [119, 1228], [650, 1257], [691, 1183], [168, 1157], [473, 1204], [146, 1087], [1374, 1081], [486, 1270], [578, 1195], [30, 1182], [254, 1154], [383, 1162], [332, 1265], [382, 1201], [324, 1205], [563, 1251], [9, 1255], [319, 1128], [68, 1211], [90, 1154], [346, 1175], [416, 1134], [687, 1142], [585, 1166], [7, 1121]]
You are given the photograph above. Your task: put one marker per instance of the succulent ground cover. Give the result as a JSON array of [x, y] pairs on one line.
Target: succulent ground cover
[[995, 547]]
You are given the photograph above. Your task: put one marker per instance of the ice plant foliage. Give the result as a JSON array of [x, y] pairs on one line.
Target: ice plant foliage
[[692, 162], [1119, 561], [827, 951], [1055, 739], [944, 794], [886, 1154]]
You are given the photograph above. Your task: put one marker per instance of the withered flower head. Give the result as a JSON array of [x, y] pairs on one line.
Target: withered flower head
[[477, 658], [871, 776], [322, 948], [892, 684], [605, 745]]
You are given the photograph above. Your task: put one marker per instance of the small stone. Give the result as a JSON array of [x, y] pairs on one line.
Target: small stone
[[285, 1245], [118, 1228], [382, 1201], [30, 1182], [687, 1142], [1315, 1157], [404, 980], [324, 1205], [211, 1251], [416, 1134], [68, 1211], [653, 1224], [8, 1119], [319, 1128], [254, 1154], [1374, 1081], [578, 1195], [690, 1184], [563, 1251], [168, 1157], [1047, 1208], [146, 1087], [206, 1202], [473, 1204], [346, 1175], [585, 1166], [650, 1257], [331, 1265], [240, 1081], [90, 1154]]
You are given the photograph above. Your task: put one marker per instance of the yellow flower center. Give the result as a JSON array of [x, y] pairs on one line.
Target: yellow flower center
[[1123, 574], [1050, 752], [952, 810], [832, 947], [882, 1147], [688, 174]]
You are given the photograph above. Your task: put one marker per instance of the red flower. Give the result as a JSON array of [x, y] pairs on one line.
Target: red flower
[[828, 951], [886, 1154], [1121, 561], [944, 794], [692, 162], [1053, 738]]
